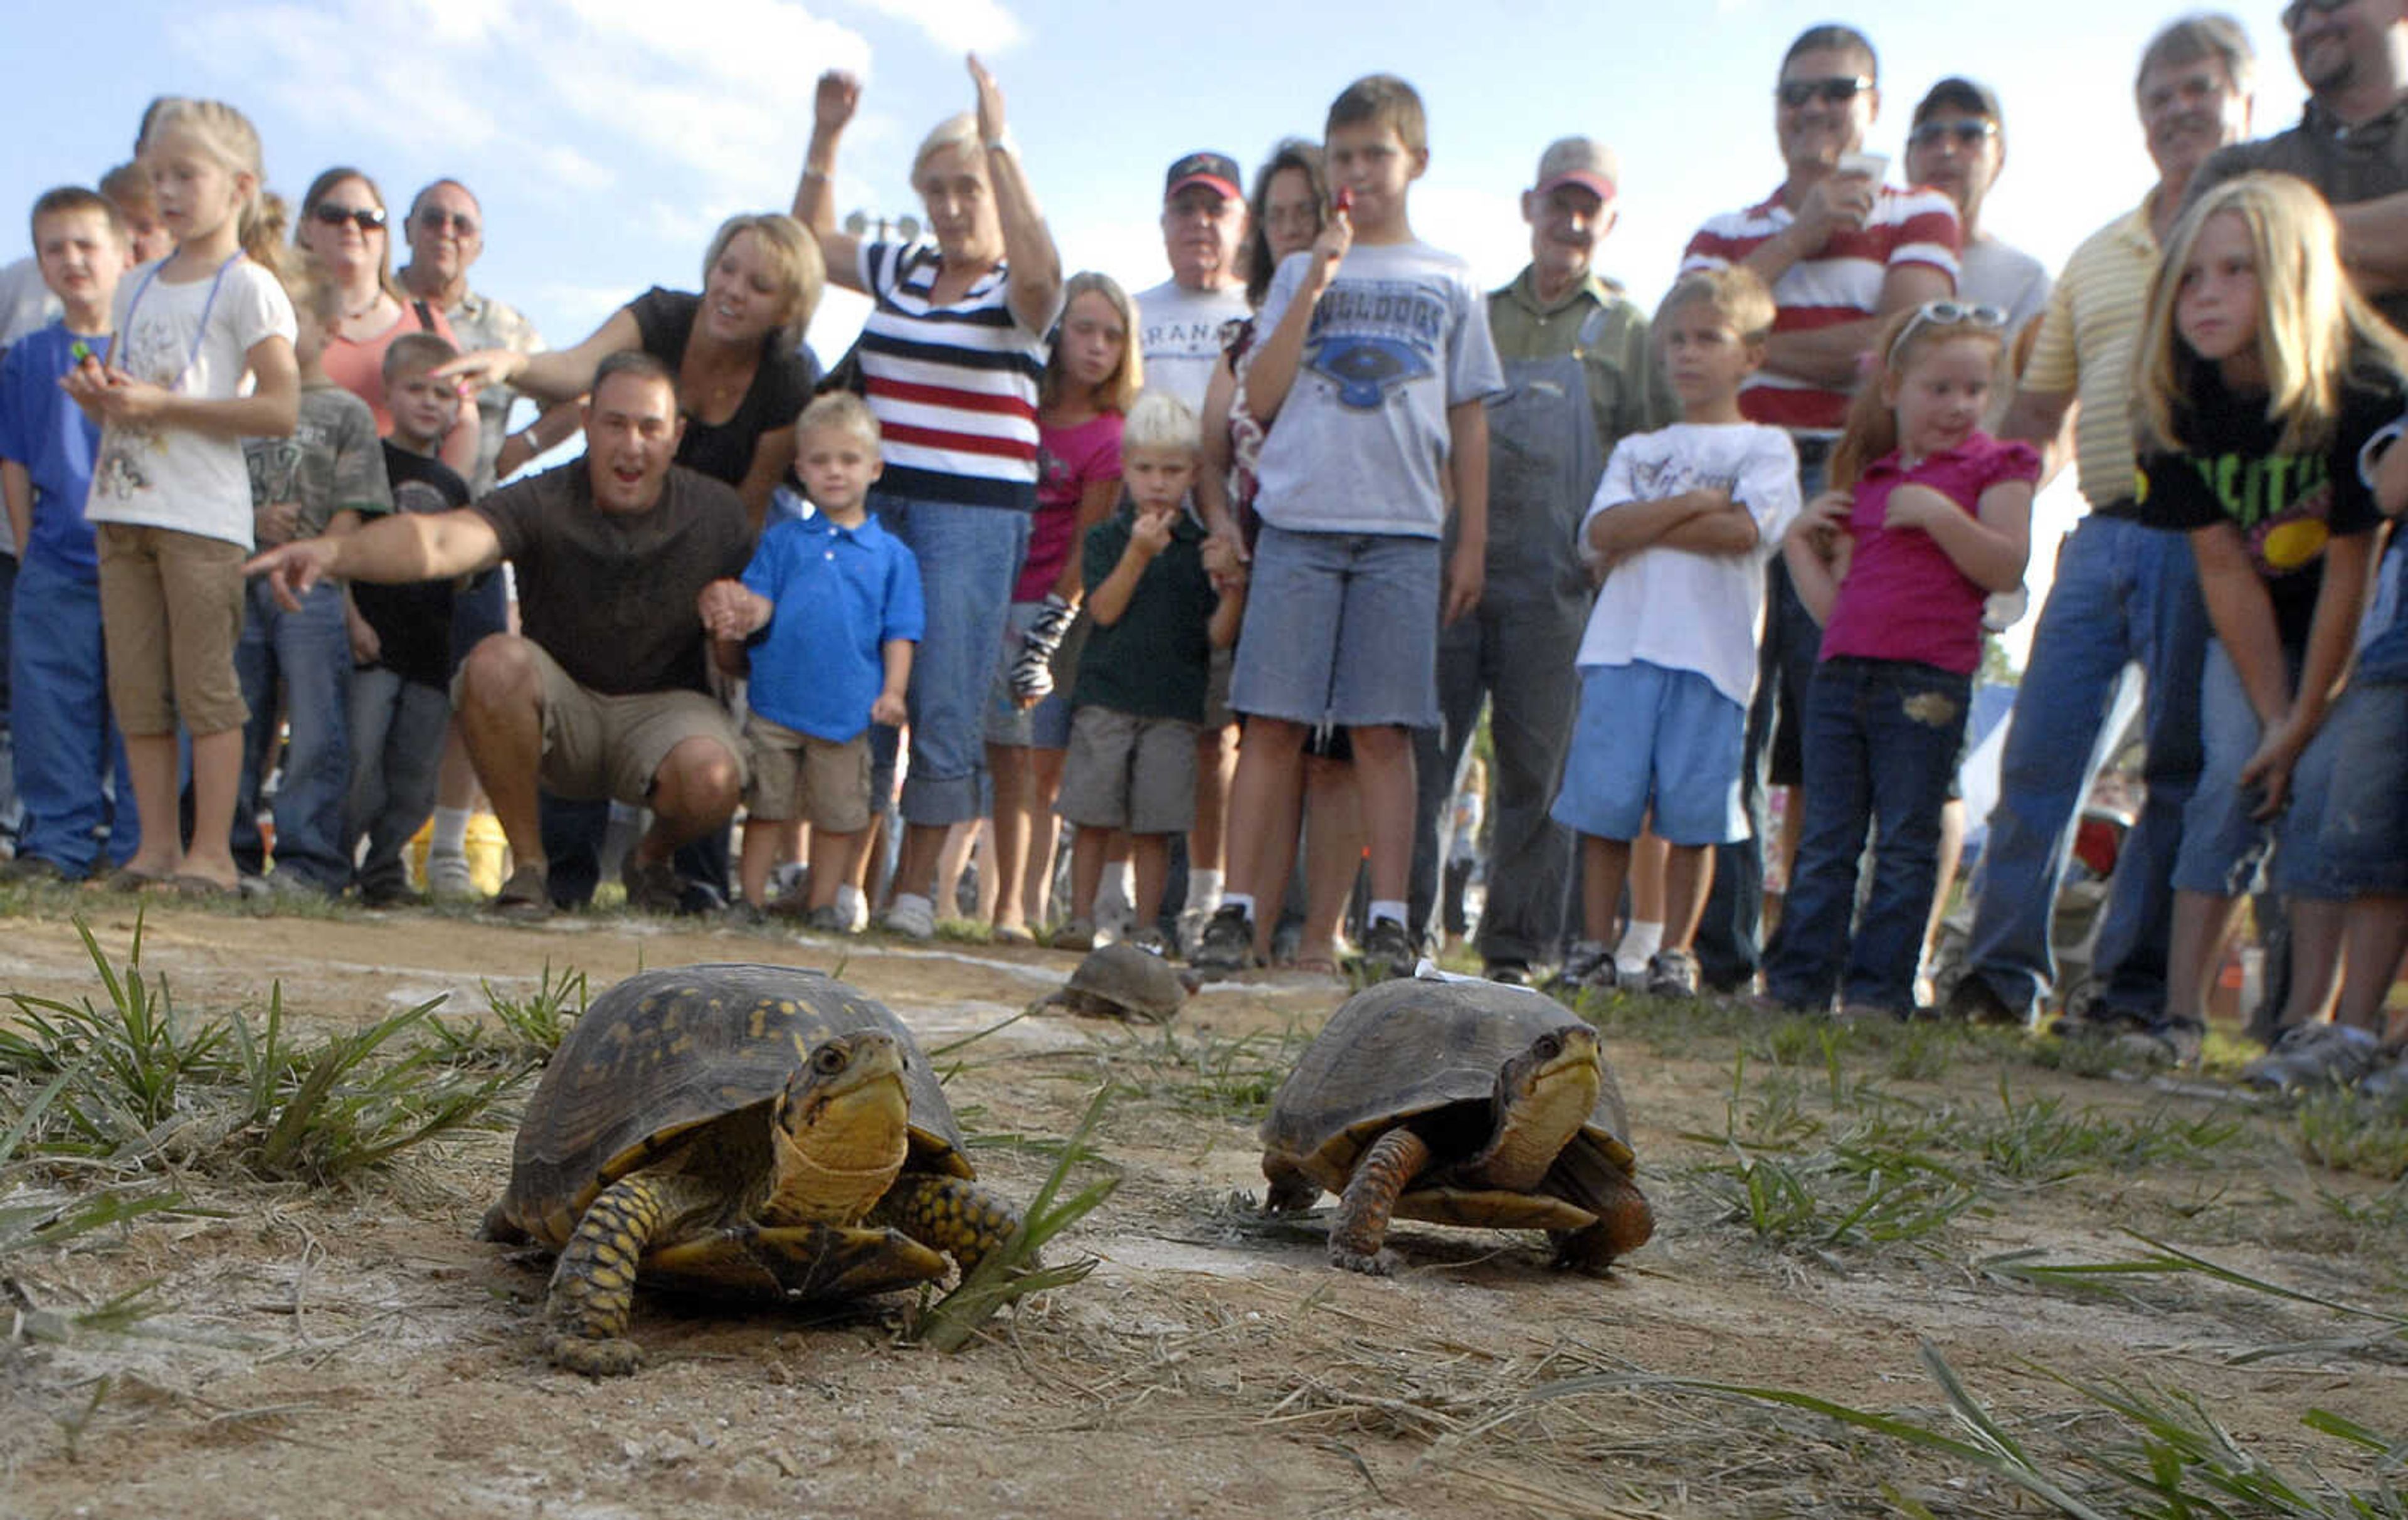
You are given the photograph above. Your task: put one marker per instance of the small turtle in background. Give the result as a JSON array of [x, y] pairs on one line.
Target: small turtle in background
[[755, 1131], [1123, 981], [1463, 1103]]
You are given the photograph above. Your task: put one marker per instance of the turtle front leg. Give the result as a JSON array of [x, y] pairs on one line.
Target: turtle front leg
[[951, 1214], [593, 1290], [1290, 1188], [1624, 1222], [1370, 1196]]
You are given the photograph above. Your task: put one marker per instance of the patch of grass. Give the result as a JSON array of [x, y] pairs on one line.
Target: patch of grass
[[524, 1031], [1015, 1269], [135, 1084], [1839, 1199], [1198, 1070], [2346, 1132]]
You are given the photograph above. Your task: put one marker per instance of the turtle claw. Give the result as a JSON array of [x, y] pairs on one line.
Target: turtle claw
[[1373, 1264], [614, 1357]]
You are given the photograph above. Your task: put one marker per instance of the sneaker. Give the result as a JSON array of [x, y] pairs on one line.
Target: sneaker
[[1228, 941], [746, 915], [2168, 1042], [525, 898], [448, 874], [1587, 963], [2313, 1055], [2388, 1082], [1190, 928], [1973, 1000], [651, 887], [1874, 1014], [911, 915], [391, 893], [853, 904], [1388, 952], [1673, 973], [1507, 972], [1152, 941], [1078, 934], [2099, 1022], [831, 919]]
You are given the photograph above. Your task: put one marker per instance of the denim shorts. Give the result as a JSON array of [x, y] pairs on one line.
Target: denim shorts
[[2223, 847], [1340, 627], [2364, 844], [1646, 735], [1044, 726]]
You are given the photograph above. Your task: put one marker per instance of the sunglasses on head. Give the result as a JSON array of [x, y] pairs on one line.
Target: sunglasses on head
[[1948, 315], [1969, 133], [1837, 90], [459, 222], [2297, 11], [366, 218]]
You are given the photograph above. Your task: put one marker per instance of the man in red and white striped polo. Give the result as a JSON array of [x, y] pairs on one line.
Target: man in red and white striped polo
[[1840, 252]]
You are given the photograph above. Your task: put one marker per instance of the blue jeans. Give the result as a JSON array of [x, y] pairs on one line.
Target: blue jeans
[[1729, 931], [1882, 742], [398, 749], [2124, 593], [969, 557], [311, 652], [66, 740]]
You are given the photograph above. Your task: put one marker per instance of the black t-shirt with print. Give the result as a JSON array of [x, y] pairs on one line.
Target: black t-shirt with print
[[414, 621], [2286, 506], [779, 387]]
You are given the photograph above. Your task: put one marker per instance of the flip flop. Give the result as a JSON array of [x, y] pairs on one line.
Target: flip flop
[[126, 879], [184, 885], [526, 898]]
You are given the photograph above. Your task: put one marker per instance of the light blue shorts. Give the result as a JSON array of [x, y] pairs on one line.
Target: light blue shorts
[[2365, 839], [1044, 726], [1650, 737], [1340, 627], [2223, 847]]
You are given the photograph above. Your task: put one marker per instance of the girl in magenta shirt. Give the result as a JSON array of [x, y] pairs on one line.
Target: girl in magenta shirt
[[1927, 515], [1093, 375]]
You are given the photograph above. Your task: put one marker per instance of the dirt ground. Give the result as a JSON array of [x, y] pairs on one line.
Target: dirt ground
[[356, 1351]]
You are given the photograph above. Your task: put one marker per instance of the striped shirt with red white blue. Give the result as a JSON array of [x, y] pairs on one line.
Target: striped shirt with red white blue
[[953, 387], [1843, 282]]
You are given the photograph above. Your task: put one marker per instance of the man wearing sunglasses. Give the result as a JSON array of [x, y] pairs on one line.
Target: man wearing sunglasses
[[2351, 141], [1840, 252], [2123, 594], [1956, 146]]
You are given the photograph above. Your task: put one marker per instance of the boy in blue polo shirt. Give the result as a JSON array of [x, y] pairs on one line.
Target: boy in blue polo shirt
[[66, 742], [829, 610]]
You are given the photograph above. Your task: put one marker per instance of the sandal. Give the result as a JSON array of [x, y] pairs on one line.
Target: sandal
[[526, 898], [126, 879], [185, 884]]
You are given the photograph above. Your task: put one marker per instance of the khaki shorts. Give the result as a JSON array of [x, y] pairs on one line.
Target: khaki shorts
[[1129, 772], [797, 775], [596, 746], [170, 615]]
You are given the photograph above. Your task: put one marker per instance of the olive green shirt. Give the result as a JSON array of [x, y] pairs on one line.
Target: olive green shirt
[[1627, 389]]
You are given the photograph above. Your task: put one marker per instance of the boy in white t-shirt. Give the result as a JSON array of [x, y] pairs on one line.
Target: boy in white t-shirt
[[1681, 525]]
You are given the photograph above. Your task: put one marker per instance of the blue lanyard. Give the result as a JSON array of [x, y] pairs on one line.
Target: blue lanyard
[[200, 329]]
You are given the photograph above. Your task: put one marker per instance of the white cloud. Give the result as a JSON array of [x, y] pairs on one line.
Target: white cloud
[[963, 25]]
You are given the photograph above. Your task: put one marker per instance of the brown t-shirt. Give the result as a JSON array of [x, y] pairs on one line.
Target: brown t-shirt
[[612, 597]]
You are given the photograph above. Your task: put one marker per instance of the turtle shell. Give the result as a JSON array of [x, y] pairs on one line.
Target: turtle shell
[[663, 1053], [1126, 980], [1409, 1048]]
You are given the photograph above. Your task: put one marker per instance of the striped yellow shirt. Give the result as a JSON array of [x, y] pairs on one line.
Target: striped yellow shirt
[[2087, 335]]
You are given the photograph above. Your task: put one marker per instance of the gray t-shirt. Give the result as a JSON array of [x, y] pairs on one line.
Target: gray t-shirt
[[1180, 333], [1991, 273], [1360, 446]]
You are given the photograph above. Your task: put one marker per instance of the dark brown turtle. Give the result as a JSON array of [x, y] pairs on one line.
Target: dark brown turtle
[[1461, 1102], [757, 1131], [1123, 981]]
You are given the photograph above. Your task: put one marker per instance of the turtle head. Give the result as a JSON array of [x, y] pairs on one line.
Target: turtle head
[[843, 1127], [1544, 1094]]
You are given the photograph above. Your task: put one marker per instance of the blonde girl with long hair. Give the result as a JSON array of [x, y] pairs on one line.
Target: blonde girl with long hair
[[2262, 375], [170, 495]]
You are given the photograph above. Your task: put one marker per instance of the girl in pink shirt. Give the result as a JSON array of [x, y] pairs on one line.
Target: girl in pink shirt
[[1927, 515]]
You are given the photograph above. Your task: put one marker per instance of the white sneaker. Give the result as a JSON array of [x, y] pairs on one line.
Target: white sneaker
[[854, 905], [447, 875], [911, 915]]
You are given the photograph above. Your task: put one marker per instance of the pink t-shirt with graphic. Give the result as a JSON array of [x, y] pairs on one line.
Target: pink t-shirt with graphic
[[1905, 598], [1068, 460]]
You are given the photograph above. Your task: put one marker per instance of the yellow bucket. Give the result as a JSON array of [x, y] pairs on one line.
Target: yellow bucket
[[488, 849]]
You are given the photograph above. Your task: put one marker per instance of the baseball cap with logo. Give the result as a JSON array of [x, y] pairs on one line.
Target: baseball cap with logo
[[1217, 170], [1580, 161]]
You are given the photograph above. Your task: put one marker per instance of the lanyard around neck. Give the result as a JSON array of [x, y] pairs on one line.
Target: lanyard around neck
[[200, 328]]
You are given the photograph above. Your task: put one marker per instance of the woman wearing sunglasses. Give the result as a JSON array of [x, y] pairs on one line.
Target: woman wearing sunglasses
[[343, 223]]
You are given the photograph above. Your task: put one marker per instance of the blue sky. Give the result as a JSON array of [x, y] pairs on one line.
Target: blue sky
[[606, 138]]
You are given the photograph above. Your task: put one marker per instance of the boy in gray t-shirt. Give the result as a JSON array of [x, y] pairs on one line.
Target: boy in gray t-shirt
[[1370, 377]]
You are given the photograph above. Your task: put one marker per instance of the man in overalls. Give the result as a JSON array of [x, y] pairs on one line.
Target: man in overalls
[[1579, 376]]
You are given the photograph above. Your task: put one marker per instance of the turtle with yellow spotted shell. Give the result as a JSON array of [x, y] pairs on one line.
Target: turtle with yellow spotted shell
[[761, 1132]]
